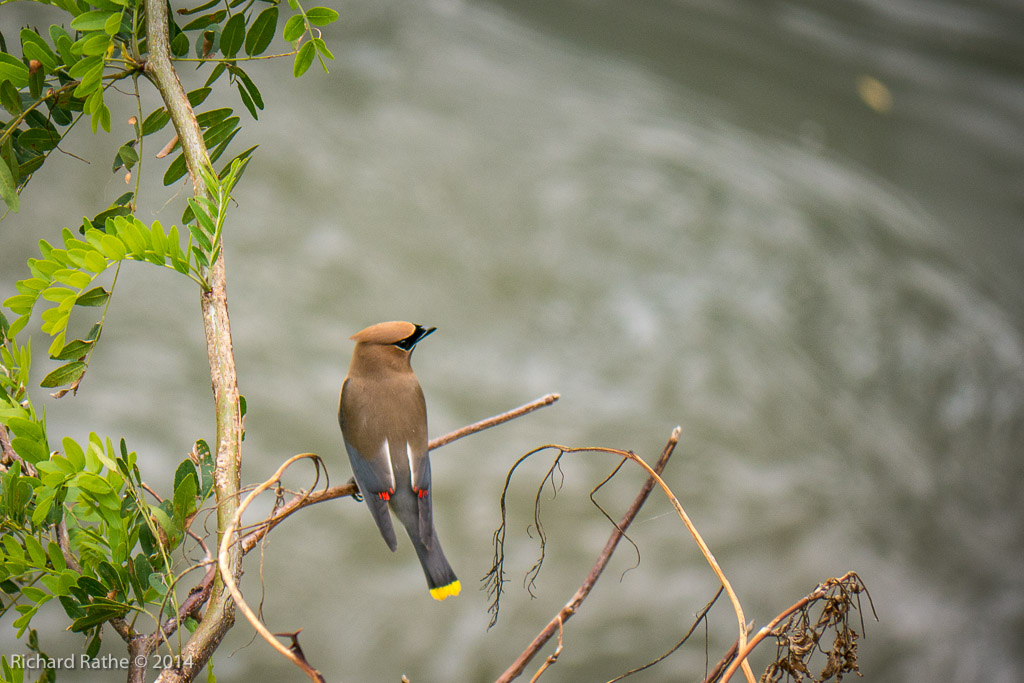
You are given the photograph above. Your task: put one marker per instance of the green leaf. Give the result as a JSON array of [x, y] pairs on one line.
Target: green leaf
[[72, 278], [233, 35], [14, 550], [56, 557], [165, 522], [34, 594], [206, 467], [97, 296], [73, 350], [294, 28], [17, 326], [100, 117], [113, 24], [64, 45], [217, 72], [217, 134], [10, 98], [205, 20], [129, 232], [176, 171], [91, 587], [44, 503], [321, 16], [26, 427], [39, 139], [198, 96], [57, 294], [213, 117], [8, 187], [92, 21], [113, 246], [73, 452], [201, 8], [35, 552], [247, 101], [257, 40], [65, 374], [111, 577], [30, 449], [159, 241], [139, 570], [94, 261], [36, 48], [185, 499], [98, 612], [185, 469], [223, 145], [179, 45], [14, 70], [321, 48], [93, 45], [250, 87], [304, 59], [93, 483], [156, 120], [129, 157], [202, 242], [199, 255]]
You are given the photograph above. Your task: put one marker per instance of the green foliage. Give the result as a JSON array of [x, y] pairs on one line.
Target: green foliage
[[78, 528], [65, 74], [117, 558]]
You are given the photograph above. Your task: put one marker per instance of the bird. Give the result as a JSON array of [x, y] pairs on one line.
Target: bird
[[383, 418]]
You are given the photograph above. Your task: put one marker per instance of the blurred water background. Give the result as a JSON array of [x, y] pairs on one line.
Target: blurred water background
[[792, 228]]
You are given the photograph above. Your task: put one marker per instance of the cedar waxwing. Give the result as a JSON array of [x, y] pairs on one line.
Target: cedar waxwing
[[383, 420]]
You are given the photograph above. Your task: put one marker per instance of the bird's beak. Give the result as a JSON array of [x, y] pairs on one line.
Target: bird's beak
[[413, 339]]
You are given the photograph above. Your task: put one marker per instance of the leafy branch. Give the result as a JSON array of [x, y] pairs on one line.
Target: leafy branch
[[78, 524]]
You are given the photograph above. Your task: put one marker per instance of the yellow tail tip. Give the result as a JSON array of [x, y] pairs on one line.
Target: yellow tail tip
[[442, 592]]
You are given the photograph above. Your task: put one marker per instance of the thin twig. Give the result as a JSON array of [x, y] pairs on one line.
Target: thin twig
[[726, 658], [551, 658], [493, 421], [581, 594], [700, 616]]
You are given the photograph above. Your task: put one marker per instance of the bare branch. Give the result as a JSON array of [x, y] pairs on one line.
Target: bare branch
[[493, 421], [581, 594]]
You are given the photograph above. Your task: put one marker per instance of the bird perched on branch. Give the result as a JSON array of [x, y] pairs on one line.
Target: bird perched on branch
[[383, 419]]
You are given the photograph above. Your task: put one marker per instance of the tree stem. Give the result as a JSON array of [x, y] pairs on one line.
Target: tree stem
[[219, 615]]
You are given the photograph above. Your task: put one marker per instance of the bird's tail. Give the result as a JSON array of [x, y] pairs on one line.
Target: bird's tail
[[440, 577]]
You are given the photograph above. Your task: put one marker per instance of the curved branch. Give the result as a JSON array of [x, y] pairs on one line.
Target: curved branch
[[228, 576]]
